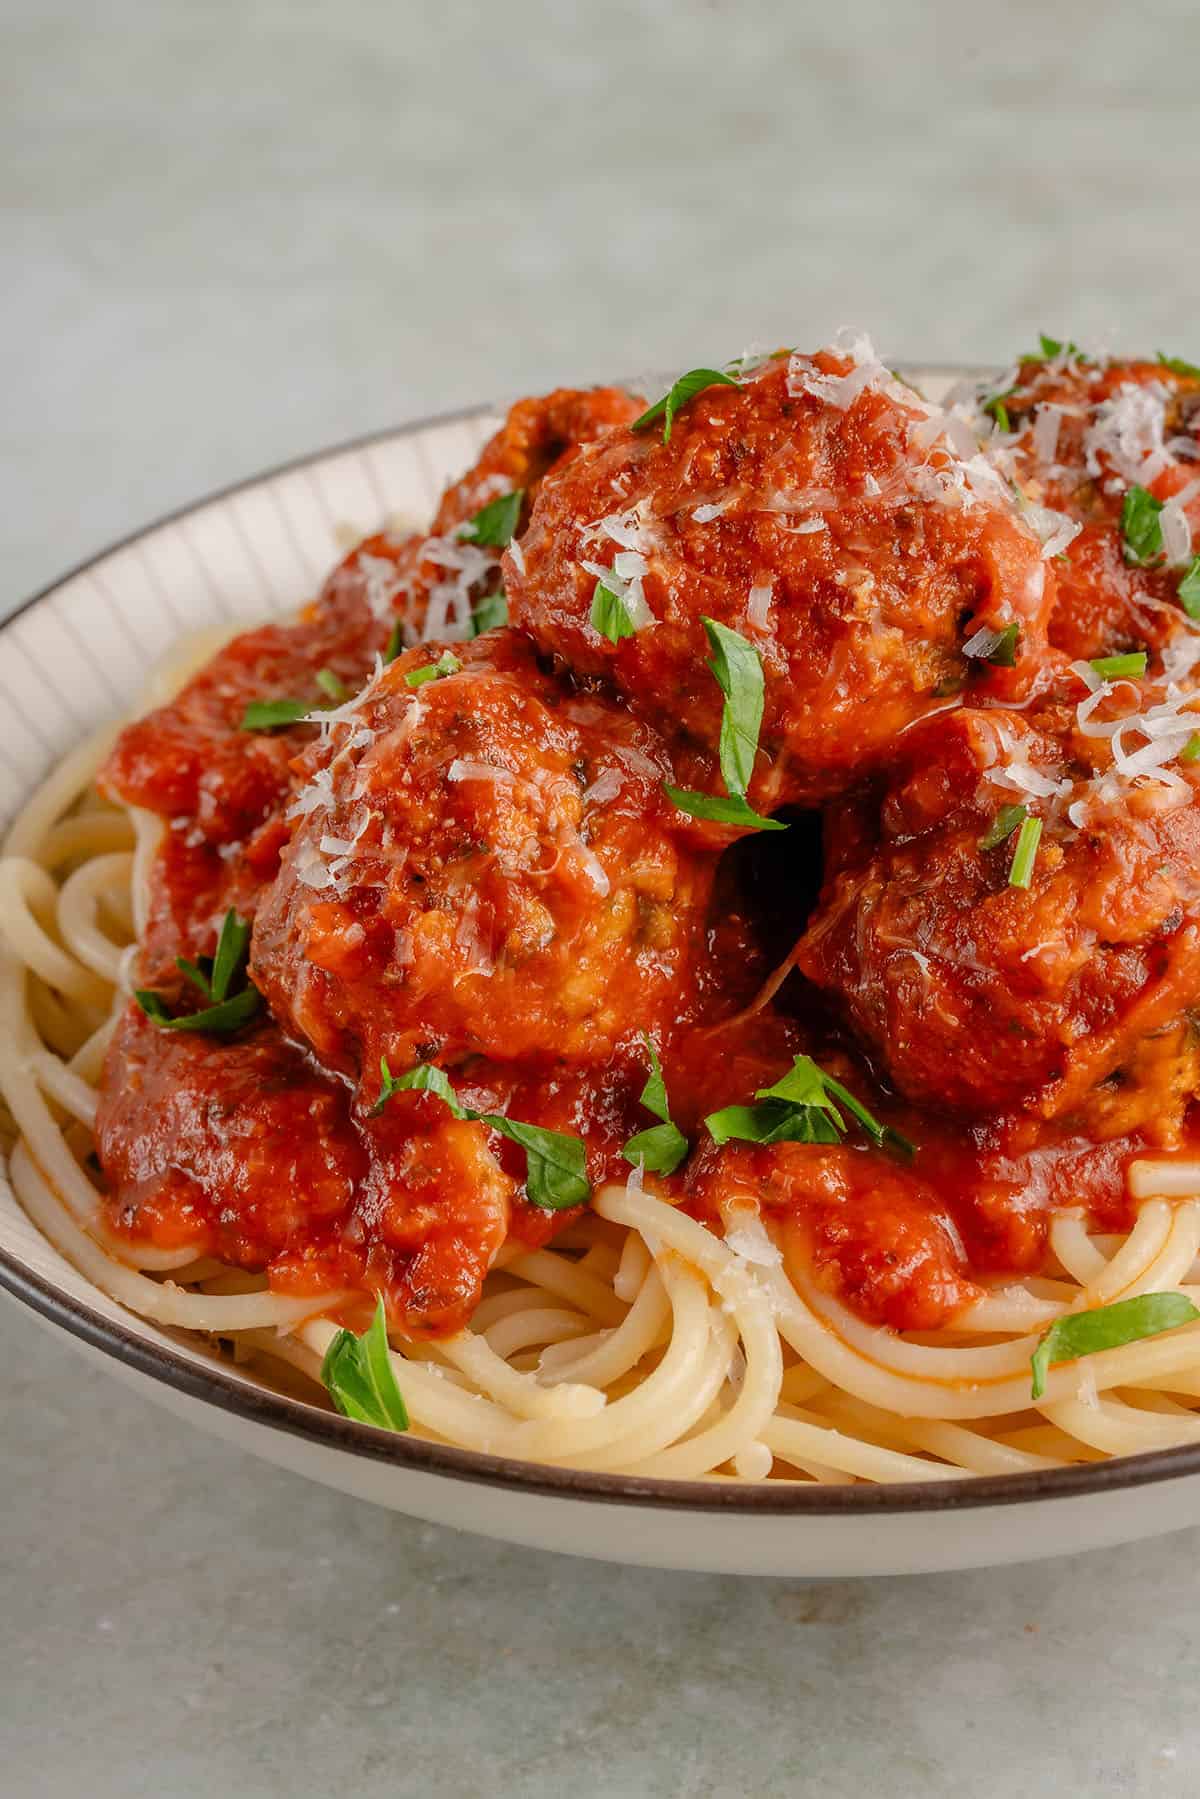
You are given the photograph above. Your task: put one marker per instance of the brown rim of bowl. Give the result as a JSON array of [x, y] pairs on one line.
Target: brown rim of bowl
[[263, 1406]]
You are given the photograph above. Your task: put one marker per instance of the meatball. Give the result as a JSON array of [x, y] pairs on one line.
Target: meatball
[[813, 508], [482, 863], [978, 993], [1079, 434], [431, 584]]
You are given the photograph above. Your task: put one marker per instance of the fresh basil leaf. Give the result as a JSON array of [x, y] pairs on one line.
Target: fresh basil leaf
[[660, 1149], [424, 1078], [772, 1121], [801, 1108], [330, 685], [1178, 366], [663, 1147], [1130, 666], [232, 945], [1108, 1327], [446, 664], [1020, 872], [722, 810], [230, 1015], [998, 410], [677, 396], [270, 715], [609, 614], [555, 1164], [495, 523], [737, 669], [1189, 590], [1141, 526], [360, 1379], [491, 611], [997, 647], [1051, 347], [1003, 826], [197, 973]]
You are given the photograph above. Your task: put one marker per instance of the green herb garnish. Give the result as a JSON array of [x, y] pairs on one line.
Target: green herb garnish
[[330, 685], [1108, 1327], [1178, 366], [555, 1164], [997, 647], [360, 1379], [1020, 872], [1141, 526], [737, 669], [801, 1108], [270, 715], [495, 523], [446, 664], [1005, 823], [998, 410], [663, 1147], [1189, 590], [395, 642], [609, 614], [1130, 665], [681, 391], [1051, 347], [1191, 749], [213, 975], [491, 611]]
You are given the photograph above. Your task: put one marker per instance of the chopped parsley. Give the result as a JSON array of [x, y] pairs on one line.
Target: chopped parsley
[[555, 1163], [214, 976], [332, 687], [395, 642], [1108, 1327], [609, 614], [495, 524], [1110, 668], [662, 1147], [1191, 749], [358, 1375], [801, 1108], [737, 670], [1141, 527], [1020, 872], [1052, 347], [678, 395], [446, 664], [1003, 826]]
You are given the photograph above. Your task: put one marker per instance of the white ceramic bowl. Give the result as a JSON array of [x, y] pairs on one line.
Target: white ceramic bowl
[[78, 653]]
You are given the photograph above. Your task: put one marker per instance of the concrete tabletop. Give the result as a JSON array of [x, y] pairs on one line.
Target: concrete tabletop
[[238, 230]]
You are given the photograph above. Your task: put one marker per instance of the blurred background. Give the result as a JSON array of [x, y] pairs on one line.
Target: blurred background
[[241, 229]]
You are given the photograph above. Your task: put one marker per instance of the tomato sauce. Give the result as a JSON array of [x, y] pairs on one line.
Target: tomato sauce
[[476, 865]]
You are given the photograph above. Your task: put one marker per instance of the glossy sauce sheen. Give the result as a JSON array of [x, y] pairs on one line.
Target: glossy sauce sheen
[[482, 871]]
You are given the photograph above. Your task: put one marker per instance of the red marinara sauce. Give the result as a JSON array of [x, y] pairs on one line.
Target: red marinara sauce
[[480, 869]]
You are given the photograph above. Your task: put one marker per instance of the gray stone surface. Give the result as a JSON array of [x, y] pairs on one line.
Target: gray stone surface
[[237, 230]]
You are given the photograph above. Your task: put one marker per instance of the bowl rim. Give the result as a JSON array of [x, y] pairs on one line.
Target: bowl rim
[[215, 1385]]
